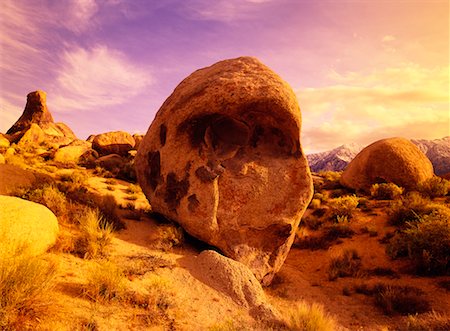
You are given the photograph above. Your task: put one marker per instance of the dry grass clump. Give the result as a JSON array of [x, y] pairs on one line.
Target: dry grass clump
[[305, 317], [431, 321], [396, 299], [139, 265], [425, 242], [25, 286], [105, 282], [343, 206], [386, 191], [348, 264], [435, 187], [95, 234]]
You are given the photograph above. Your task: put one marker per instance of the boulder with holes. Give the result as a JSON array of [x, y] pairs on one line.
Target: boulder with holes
[[223, 159]]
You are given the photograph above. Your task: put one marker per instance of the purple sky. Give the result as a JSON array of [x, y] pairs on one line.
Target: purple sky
[[362, 70]]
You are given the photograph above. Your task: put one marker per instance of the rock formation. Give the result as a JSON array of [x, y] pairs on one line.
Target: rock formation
[[36, 115], [223, 159], [117, 142], [235, 280], [394, 160], [31, 226]]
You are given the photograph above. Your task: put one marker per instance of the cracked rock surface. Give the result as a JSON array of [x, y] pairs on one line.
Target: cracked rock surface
[[223, 159]]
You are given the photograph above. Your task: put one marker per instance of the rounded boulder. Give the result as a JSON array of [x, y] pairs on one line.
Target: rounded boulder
[[392, 160], [28, 225]]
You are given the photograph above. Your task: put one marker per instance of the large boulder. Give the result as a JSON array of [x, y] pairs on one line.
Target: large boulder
[[36, 114], [13, 178], [117, 142], [30, 226], [223, 159], [236, 281], [4, 141], [111, 162], [392, 160], [72, 153]]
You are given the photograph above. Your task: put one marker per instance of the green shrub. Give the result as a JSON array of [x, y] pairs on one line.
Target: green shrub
[[435, 187], [412, 208], [343, 206], [348, 264], [386, 191], [425, 242], [26, 283], [305, 317]]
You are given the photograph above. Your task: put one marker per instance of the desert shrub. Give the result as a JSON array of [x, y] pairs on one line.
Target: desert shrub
[[132, 197], [311, 222], [75, 177], [50, 196], [331, 234], [370, 230], [110, 181], [305, 317], [386, 191], [134, 189], [319, 196], [412, 208], [108, 207], [394, 299], [431, 321], [330, 176], [169, 235], [343, 206], [105, 282], [314, 204], [110, 188], [435, 187], [425, 242], [348, 264], [138, 265], [26, 283], [95, 234]]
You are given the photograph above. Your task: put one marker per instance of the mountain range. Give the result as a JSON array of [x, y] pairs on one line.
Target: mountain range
[[437, 150]]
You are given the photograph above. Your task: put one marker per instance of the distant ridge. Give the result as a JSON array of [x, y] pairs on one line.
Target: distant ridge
[[437, 150]]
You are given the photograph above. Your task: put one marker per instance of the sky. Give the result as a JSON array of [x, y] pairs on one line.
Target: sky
[[362, 70]]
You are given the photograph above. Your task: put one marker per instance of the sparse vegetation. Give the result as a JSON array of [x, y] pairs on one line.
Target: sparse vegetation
[[50, 196], [348, 264], [435, 187], [305, 317], [134, 189], [386, 191], [105, 282], [331, 234], [394, 299], [431, 321], [169, 235], [25, 285], [425, 242], [412, 208], [95, 234], [343, 206], [78, 178]]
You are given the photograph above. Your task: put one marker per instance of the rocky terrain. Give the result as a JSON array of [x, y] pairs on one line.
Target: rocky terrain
[[214, 221]]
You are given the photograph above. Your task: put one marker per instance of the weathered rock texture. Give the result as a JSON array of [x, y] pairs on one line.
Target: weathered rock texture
[[393, 160], [36, 114], [27, 223], [13, 178], [235, 280], [117, 142], [223, 159]]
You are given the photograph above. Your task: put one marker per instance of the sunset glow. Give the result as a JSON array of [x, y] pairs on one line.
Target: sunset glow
[[362, 70]]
